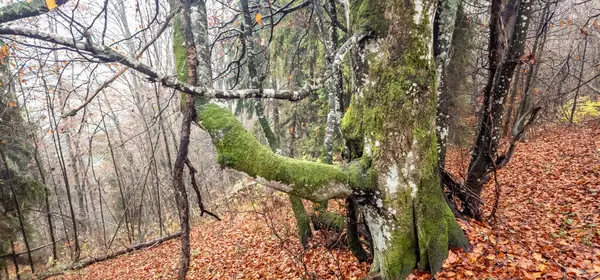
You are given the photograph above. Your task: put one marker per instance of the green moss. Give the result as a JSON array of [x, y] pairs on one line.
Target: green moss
[[400, 258], [179, 50], [302, 220], [240, 150], [367, 16], [437, 228], [398, 109], [329, 221]]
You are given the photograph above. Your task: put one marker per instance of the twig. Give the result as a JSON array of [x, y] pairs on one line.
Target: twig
[[193, 172]]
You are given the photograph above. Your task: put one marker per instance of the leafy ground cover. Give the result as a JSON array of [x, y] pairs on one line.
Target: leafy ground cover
[[547, 226]]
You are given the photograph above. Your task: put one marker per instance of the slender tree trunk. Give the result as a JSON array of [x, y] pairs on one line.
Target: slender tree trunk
[[537, 50], [124, 201], [511, 100], [58, 202], [167, 150], [579, 81], [503, 59], [334, 84], [99, 193], [352, 230], [190, 38], [14, 258], [46, 202], [63, 168], [445, 18]]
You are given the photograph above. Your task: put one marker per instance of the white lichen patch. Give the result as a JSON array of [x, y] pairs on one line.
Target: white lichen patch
[[379, 203], [380, 230], [413, 186], [392, 180], [418, 11]]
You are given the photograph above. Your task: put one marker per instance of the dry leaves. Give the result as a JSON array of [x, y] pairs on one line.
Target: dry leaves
[[548, 228]]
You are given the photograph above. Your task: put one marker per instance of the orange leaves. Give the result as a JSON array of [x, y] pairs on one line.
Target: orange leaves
[[51, 4], [546, 219], [4, 50], [258, 18], [546, 212], [4, 53], [11, 104], [528, 59]]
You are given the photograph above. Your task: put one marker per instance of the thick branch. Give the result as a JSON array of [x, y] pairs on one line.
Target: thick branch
[[239, 149], [109, 55]]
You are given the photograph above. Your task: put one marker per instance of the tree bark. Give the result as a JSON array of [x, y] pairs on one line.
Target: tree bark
[[579, 81], [508, 25], [534, 66], [443, 27]]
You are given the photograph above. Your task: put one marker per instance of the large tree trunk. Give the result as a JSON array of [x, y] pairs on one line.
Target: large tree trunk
[[394, 112]]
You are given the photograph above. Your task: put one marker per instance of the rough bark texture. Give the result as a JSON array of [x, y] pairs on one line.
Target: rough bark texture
[[443, 28], [354, 243], [394, 112], [511, 20]]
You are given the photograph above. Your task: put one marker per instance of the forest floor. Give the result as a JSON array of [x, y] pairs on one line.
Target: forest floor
[[547, 226]]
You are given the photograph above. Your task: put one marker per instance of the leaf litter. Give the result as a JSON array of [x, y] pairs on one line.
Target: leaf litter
[[547, 227]]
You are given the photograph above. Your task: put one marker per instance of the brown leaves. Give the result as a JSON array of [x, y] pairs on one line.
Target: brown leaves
[[528, 59], [547, 217], [241, 246], [547, 228]]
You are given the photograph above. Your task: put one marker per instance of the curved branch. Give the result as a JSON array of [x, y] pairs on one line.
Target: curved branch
[[239, 149], [107, 54]]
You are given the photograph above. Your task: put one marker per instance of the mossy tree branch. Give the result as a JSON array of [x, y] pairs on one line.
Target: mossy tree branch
[[241, 151]]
